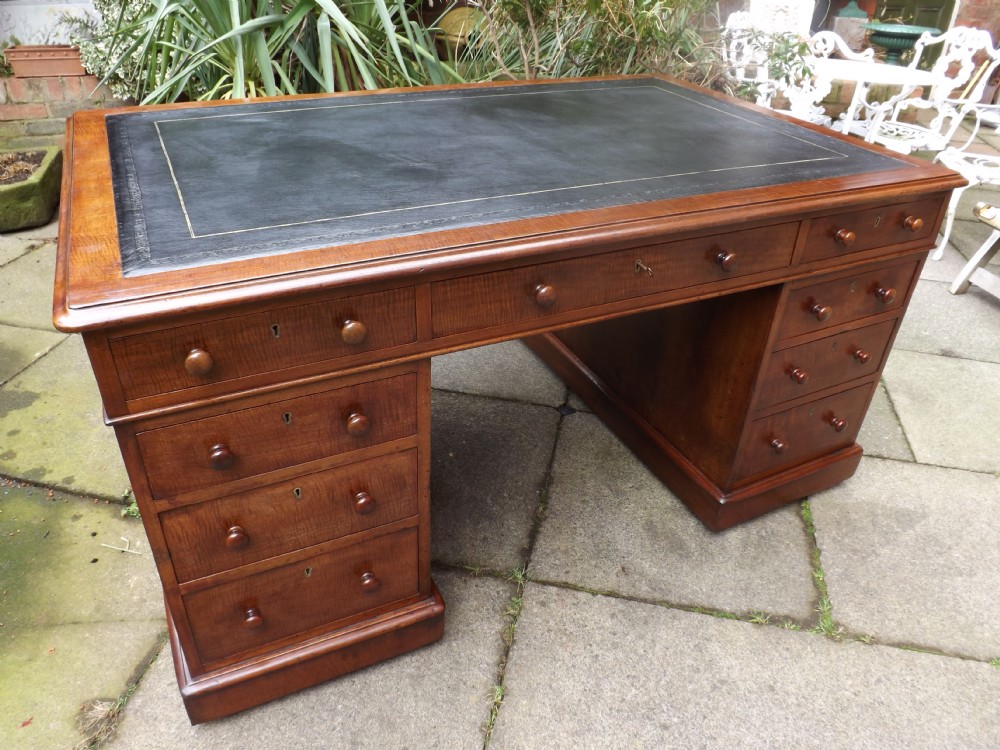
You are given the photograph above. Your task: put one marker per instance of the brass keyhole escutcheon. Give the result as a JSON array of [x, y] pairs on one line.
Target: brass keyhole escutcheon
[[286, 417], [297, 493], [276, 331], [308, 572]]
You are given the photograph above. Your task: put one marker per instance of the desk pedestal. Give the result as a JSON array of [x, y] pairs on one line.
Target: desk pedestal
[[743, 403], [714, 506]]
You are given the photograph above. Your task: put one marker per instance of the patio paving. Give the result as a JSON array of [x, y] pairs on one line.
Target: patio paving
[[636, 628], [684, 680]]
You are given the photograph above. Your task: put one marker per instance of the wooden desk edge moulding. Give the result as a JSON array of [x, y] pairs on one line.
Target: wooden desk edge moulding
[[273, 407]]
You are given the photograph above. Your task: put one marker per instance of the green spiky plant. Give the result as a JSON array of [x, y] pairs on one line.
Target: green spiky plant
[[206, 49]]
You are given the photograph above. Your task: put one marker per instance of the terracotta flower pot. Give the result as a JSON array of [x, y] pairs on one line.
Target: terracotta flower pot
[[31, 202], [44, 60]]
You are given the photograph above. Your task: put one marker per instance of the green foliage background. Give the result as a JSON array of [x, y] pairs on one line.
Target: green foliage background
[[168, 50], [568, 38]]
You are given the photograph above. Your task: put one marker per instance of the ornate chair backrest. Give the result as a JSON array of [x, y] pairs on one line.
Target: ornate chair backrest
[[740, 49], [745, 57], [965, 64], [828, 43]]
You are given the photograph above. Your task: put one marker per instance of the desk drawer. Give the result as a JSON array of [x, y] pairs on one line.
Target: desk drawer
[[239, 529], [807, 368], [840, 234], [803, 432], [504, 297], [868, 292], [219, 350], [259, 609], [243, 443]]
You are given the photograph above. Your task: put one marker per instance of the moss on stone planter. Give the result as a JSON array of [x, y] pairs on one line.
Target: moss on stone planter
[[31, 202]]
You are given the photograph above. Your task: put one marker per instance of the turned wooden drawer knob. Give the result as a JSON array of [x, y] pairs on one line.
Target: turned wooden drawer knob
[[821, 312], [363, 503], [862, 356], [369, 583], [913, 223], [778, 446], [799, 375], [198, 363], [845, 237], [358, 424], [220, 457], [839, 425], [236, 538], [886, 295], [726, 261], [353, 332], [545, 295], [252, 619]]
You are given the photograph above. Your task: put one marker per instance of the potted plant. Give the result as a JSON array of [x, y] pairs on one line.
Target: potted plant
[[29, 187]]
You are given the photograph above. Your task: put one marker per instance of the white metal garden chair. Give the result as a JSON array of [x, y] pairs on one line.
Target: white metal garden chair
[[806, 93], [975, 270], [746, 58], [746, 51], [831, 44], [978, 168], [967, 60]]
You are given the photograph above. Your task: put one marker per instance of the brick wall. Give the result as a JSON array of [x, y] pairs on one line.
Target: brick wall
[[33, 111], [981, 14]]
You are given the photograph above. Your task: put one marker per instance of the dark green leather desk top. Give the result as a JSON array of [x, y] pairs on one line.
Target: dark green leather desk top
[[210, 184]]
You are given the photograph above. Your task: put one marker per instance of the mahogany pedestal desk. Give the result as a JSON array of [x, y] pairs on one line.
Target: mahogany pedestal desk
[[260, 287]]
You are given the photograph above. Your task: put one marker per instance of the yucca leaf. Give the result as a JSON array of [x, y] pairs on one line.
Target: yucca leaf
[[389, 28], [263, 57], [239, 76], [342, 22], [324, 35]]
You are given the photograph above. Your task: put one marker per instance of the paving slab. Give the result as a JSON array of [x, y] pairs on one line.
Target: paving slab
[[948, 408], [77, 618], [881, 434], [52, 430], [15, 244], [436, 697], [19, 347], [508, 370], [612, 526], [956, 325], [576, 403], [990, 138], [597, 672], [950, 265], [489, 463], [911, 556], [26, 289]]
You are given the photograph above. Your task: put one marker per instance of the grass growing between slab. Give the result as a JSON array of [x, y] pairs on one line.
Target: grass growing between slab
[[98, 719], [518, 576], [131, 507], [825, 625]]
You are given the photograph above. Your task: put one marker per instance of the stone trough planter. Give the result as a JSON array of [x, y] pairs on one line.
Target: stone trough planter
[[32, 201]]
